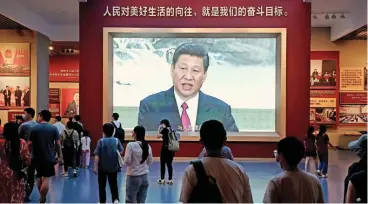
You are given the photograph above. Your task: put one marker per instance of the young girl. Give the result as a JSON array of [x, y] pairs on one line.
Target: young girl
[[86, 147], [323, 141], [310, 150]]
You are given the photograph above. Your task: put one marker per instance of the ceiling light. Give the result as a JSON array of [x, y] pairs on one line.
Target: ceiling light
[[51, 48], [333, 16], [327, 17], [342, 16], [315, 16]]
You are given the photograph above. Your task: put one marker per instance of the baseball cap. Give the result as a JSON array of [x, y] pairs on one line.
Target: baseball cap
[[359, 146]]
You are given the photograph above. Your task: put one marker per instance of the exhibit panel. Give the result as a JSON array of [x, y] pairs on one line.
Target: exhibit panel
[[251, 116], [18, 71], [294, 18], [64, 86]]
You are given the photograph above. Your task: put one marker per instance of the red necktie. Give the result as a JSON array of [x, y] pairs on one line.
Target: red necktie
[[185, 121]]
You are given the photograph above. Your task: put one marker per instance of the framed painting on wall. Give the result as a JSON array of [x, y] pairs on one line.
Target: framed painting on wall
[[15, 59], [323, 74], [69, 102], [15, 92]]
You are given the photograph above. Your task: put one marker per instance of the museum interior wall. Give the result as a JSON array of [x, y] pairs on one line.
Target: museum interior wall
[[298, 25], [350, 96], [24, 78]]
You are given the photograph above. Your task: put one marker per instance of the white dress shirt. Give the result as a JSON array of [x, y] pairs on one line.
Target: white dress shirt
[[133, 157], [191, 110], [60, 126]]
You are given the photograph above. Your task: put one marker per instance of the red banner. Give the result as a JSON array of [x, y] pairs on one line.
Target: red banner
[[12, 115], [15, 59], [353, 98], [323, 93], [64, 69]]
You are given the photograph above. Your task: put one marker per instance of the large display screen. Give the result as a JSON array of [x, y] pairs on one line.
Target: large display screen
[[192, 80]]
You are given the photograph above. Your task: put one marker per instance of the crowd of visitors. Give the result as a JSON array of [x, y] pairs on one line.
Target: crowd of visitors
[[33, 148]]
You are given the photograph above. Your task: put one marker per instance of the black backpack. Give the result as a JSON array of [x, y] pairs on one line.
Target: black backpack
[[206, 190], [119, 133], [68, 142]]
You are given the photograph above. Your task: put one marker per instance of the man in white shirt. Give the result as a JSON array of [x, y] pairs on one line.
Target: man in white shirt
[[60, 126], [231, 179], [293, 185], [184, 104]]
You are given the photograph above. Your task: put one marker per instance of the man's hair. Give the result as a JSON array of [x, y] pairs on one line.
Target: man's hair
[[76, 93], [292, 150], [46, 115], [115, 116], [212, 134], [108, 129], [30, 111], [58, 118], [17, 86], [77, 118], [70, 125], [7, 87], [192, 50]]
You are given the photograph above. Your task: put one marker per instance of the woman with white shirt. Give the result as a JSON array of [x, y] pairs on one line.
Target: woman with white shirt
[[138, 157]]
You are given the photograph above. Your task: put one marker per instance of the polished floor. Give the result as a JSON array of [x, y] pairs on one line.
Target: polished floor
[[84, 189]]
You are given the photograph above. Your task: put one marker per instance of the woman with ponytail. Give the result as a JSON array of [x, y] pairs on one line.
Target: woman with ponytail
[[138, 157], [14, 156]]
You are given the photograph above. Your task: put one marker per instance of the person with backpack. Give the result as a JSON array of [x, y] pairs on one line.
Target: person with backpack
[[310, 149], [215, 179], [166, 156], [119, 131], [70, 142]]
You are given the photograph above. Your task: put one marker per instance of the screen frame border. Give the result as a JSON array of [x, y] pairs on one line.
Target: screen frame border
[[254, 136]]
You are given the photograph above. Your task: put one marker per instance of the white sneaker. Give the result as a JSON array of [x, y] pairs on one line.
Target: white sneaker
[[324, 176], [170, 182], [65, 174], [75, 173], [161, 181], [116, 202]]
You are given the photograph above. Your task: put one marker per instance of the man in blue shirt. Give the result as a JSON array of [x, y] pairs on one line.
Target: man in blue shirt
[[44, 140], [106, 163]]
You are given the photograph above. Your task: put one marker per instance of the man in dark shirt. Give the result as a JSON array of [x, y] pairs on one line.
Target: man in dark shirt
[[78, 126], [359, 147], [44, 140], [18, 96]]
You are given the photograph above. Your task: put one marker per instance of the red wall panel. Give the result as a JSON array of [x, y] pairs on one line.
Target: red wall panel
[[298, 24], [64, 69]]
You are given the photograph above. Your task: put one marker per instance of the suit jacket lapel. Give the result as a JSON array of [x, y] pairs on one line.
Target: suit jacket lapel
[[203, 109], [172, 109]]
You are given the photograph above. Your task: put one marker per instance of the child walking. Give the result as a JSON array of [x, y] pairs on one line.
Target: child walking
[[86, 147], [323, 141]]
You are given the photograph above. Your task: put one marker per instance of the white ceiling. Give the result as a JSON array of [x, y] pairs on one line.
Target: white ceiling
[[62, 12], [59, 19]]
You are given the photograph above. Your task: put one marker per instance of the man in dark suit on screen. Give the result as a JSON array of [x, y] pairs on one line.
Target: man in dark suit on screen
[[184, 105], [27, 97], [7, 94], [18, 97]]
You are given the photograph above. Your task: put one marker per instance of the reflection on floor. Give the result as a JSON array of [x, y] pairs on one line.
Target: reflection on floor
[[84, 188]]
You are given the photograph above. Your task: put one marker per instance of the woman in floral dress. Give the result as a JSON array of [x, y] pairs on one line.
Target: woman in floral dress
[[14, 156]]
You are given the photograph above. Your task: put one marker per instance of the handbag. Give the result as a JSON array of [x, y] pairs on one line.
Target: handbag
[[173, 142], [120, 159]]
